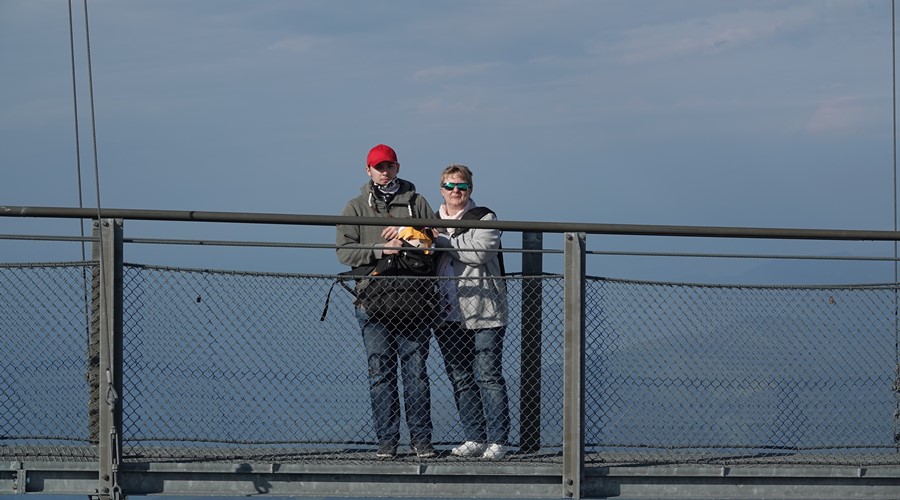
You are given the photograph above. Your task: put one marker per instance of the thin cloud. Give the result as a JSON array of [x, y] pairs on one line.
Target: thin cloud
[[448, 72], [35, 112], [439, 106], [842, 114], [300, 43], [710, 35]]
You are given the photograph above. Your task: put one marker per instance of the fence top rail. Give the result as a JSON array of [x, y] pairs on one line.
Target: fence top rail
[[504, 225]]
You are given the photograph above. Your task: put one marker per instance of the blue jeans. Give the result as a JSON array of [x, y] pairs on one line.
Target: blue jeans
[[474, 362], [384, 345]]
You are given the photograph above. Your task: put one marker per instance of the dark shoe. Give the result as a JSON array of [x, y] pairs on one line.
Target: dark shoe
[[424, 450], [386, 451]]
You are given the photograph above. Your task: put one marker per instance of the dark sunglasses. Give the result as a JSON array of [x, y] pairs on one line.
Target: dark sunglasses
[[463, 186]]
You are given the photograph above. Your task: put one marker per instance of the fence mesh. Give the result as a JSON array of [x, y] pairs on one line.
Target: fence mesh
[[230, 365], [44, 393], [680, 373], [223, 366]]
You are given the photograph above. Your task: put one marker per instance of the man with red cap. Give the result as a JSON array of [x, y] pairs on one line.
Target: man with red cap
[[386, 195]]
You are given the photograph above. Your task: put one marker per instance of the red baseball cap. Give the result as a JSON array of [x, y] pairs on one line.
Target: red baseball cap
[[379, 154]]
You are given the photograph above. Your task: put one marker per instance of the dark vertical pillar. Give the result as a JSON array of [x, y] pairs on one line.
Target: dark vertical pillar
[[532, 305], [573, 383], [106, 352]]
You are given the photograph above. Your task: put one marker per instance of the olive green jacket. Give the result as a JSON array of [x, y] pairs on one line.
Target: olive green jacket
[[406, 203]]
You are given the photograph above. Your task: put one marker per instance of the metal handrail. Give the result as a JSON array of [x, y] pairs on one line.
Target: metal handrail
[[505, 225]]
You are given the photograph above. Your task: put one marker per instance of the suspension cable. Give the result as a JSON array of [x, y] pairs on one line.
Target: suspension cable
[[84, 274], [896, 306], [77, 130], [87, 36], [112, 396]]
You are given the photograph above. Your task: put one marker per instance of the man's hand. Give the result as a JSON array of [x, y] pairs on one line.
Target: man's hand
[[389, 233], [392, 246]]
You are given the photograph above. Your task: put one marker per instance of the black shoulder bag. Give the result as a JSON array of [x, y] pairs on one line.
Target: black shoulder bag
[[399, 288]]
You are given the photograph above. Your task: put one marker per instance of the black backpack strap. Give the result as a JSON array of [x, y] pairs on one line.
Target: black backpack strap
[[360, 271], [411, 204], [328, 300], [478, 213], [343, 278]]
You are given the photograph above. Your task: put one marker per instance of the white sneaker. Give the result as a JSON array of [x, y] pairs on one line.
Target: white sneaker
[[495, 452], [468, 449]]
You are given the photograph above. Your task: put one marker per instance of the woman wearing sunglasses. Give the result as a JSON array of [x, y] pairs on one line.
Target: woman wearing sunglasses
[[473, 320]]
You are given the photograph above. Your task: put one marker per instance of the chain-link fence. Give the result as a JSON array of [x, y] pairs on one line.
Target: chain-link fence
[[44, 392], [225, 366], [231, 365], [683, 373]]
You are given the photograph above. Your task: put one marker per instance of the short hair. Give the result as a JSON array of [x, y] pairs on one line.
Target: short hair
[[458, 170]]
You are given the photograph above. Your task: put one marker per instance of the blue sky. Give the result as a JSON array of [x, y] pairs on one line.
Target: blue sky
[[740, 113], [763, 113]]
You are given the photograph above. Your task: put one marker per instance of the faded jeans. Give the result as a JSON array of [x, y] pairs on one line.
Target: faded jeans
[[384, 346], [474, 359]]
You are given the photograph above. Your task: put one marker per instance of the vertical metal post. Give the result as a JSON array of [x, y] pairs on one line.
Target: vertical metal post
[[573, 370], [106, 351], [532, 306]]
